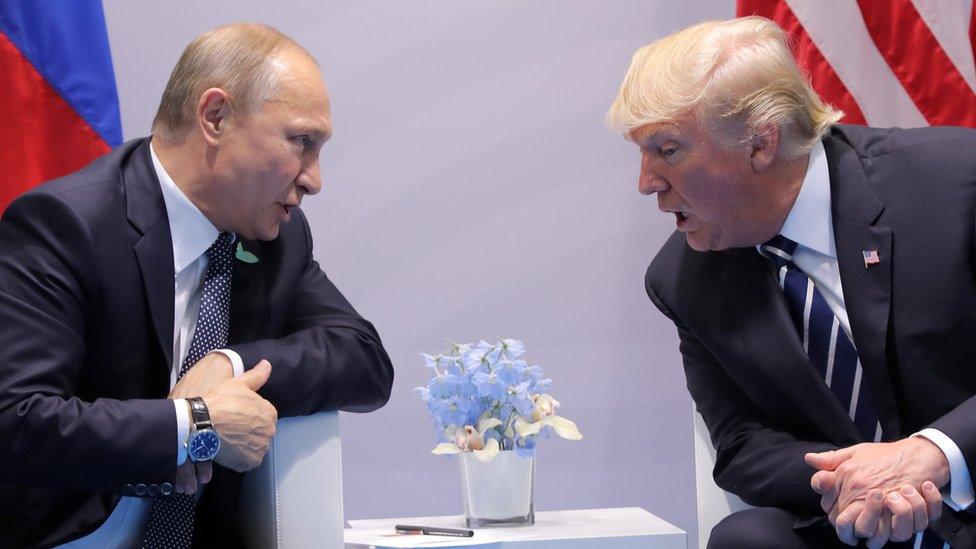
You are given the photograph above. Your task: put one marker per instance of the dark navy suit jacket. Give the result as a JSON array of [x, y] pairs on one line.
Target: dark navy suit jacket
[[910, 195], [86, 329]]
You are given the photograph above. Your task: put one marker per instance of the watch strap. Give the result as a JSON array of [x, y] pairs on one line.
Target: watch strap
[[199, 413]]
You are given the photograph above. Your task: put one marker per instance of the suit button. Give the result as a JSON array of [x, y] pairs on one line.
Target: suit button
[[140, 489], [154, 490], [166, 488], [130, 489]]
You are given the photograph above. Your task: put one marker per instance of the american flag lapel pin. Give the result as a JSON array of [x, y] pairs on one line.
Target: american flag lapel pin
[[871, 258]]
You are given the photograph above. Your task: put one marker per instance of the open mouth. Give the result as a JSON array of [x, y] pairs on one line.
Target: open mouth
[[681, 215]]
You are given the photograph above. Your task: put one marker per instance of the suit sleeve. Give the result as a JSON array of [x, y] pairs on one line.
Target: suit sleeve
[[755, 461], [51, 438], [330, 358]]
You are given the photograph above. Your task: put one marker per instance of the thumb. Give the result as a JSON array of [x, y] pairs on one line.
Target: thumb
[[256, 377], [828, 461]]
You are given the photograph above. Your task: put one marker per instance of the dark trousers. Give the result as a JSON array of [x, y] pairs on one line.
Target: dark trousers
[[770, 528]]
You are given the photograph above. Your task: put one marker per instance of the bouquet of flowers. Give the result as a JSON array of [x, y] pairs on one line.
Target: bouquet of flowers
[[485, 398]]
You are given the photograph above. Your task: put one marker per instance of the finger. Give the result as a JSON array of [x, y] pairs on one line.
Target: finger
[[919, 507], [256, 377], [186, 481], [822, 481], [828, 460], [204, 472], [825, 483], [866, 523], [933, 500], [902, 517], [845, 523], [883, 532]]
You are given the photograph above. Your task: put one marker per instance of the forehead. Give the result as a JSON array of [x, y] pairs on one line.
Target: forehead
[[301, 97]]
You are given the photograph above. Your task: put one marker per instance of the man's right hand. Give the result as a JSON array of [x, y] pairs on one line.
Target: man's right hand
[[244, 421]]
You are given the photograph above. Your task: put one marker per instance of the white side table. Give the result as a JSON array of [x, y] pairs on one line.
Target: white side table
[[618, 528]]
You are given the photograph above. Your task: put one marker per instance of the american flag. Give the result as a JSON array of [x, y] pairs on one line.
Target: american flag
[[871, 258], [905, 63]]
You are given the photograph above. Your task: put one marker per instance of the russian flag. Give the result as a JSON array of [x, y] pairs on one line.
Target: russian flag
[[59, 107]]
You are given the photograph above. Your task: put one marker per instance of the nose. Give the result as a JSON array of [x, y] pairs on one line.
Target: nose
[[650, 181], [310, 178]]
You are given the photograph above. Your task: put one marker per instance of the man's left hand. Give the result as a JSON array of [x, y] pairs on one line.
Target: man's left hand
[[190, 476]]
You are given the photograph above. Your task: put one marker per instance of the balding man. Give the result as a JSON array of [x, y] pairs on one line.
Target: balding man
[[160, 308], [823, 283]]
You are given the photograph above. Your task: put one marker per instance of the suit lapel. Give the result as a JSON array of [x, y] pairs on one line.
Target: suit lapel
[[867, 288], [759, 315], [247, 296], [146, 211]]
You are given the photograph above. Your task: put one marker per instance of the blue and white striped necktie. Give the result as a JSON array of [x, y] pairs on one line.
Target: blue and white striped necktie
[[830, 350], [826, 343]]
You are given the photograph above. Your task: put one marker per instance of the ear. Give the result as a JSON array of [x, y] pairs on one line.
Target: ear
[[212, 112], [764, 147]]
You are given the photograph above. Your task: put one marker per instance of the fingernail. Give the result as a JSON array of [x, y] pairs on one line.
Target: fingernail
[[928, 486], [906, 490], [877, 496], [895, 496]]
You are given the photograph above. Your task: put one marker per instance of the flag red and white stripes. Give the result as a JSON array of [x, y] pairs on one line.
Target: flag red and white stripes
[[904, 63]]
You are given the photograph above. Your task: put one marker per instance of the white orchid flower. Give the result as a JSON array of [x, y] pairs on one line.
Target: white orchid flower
[[470, 439], [544, 415]]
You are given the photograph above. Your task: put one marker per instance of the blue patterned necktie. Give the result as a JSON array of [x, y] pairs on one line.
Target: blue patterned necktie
[[824, 339], [829, 349], [171, 518]]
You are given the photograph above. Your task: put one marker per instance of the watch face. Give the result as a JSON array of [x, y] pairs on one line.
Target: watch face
[[203, 445]]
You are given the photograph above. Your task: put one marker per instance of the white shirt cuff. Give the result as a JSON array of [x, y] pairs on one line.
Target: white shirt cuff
[[182, 429], [235, 360], [960, 484]]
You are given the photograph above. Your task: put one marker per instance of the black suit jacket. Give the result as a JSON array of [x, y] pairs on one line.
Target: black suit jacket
[[86, 329], [910, 195]]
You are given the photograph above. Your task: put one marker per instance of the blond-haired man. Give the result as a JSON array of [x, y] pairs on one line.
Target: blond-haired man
[[161, 307], [821, 279]]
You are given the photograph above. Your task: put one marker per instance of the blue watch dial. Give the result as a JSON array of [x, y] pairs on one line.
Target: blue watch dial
[[203, 445]]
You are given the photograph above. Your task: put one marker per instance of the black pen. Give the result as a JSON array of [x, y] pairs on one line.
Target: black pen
[[433, 531]]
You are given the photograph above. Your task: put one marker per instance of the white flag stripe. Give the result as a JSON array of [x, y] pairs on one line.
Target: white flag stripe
[[807, 305], [838, 30], [830, 353], [949, 22], [856, 390]]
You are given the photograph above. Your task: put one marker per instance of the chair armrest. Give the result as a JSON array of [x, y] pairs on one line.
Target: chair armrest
[[294, 498]]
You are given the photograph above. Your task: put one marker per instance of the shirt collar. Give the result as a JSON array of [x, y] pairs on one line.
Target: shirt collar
[[809, 222], [191, 231]]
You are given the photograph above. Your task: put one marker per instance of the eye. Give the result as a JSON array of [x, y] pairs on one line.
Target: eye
[[302, 140], [667, 151]]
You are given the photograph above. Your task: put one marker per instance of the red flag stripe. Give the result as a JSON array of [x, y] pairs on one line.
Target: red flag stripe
[[823, 77], [972, 29], [921, 65], [42, 137]]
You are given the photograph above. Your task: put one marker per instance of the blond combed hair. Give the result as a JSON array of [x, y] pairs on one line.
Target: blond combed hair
[[737, 76], [237, 58]]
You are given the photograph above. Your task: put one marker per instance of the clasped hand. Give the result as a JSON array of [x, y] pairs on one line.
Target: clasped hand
[[880, 491], [244, 420]]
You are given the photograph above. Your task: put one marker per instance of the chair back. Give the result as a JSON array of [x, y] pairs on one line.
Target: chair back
[[294, 498]]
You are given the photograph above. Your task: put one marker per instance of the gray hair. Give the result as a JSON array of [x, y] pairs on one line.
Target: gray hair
[[238, 58]]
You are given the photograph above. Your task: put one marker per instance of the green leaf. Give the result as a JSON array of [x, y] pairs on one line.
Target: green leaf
[[244, 255]]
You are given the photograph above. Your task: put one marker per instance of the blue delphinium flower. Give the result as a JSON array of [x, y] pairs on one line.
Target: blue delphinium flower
[[486, 396]]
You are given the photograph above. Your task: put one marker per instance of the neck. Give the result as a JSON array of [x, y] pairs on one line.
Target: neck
[[188, 169]]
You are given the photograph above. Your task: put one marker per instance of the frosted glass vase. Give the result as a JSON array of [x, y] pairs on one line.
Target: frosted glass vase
[[498, 492]]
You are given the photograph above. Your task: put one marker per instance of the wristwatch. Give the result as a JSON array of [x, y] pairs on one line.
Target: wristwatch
[[203, 443]]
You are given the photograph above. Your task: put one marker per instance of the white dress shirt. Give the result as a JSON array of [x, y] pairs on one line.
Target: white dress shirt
[[809, 224], [192, 234]]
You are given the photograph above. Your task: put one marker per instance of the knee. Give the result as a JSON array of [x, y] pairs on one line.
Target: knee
[[756, 528]]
